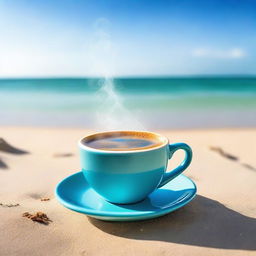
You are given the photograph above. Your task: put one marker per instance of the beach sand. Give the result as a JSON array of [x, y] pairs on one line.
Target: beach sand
[[219, 221]]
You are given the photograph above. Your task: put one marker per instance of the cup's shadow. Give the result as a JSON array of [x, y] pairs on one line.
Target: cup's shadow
[[203, 222]]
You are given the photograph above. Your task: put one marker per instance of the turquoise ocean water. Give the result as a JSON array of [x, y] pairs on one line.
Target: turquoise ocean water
[[190, 102]]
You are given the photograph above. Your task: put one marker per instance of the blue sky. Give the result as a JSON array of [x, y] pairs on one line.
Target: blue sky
[[127, 38]]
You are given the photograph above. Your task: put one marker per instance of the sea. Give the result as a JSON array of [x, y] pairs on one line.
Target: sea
[[127, 103]]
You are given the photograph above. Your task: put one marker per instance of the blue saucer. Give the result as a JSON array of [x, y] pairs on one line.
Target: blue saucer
[[75, 193]]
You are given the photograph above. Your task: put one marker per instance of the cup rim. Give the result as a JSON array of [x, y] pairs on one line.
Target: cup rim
[[83, 146]]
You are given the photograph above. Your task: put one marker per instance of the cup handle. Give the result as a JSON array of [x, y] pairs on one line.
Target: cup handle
[[178, 170]]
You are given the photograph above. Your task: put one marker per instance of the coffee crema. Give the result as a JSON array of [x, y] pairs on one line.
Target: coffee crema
[[123, 141]]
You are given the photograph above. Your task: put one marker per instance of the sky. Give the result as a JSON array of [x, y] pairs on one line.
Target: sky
[[127, 38]]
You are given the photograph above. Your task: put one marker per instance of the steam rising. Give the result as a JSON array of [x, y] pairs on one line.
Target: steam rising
[[111, 114]]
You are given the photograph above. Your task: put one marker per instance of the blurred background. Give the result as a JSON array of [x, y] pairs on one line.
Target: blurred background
[[128, 64]]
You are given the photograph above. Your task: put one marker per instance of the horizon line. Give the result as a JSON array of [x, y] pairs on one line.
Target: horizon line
[[136, 76]]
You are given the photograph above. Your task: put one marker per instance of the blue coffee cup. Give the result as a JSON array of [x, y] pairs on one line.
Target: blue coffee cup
[[129, 176]]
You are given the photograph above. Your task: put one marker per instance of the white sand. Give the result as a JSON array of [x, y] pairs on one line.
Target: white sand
[[220, 221]]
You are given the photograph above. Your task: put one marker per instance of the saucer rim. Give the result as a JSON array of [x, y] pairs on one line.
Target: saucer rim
[[146, 214]]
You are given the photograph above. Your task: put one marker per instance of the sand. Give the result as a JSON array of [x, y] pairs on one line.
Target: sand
[[219, 221]]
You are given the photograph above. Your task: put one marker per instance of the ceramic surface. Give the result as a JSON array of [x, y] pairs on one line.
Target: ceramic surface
[[130, 176], [76, 194]]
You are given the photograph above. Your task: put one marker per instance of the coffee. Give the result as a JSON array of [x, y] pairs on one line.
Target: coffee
[[123, 141]]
